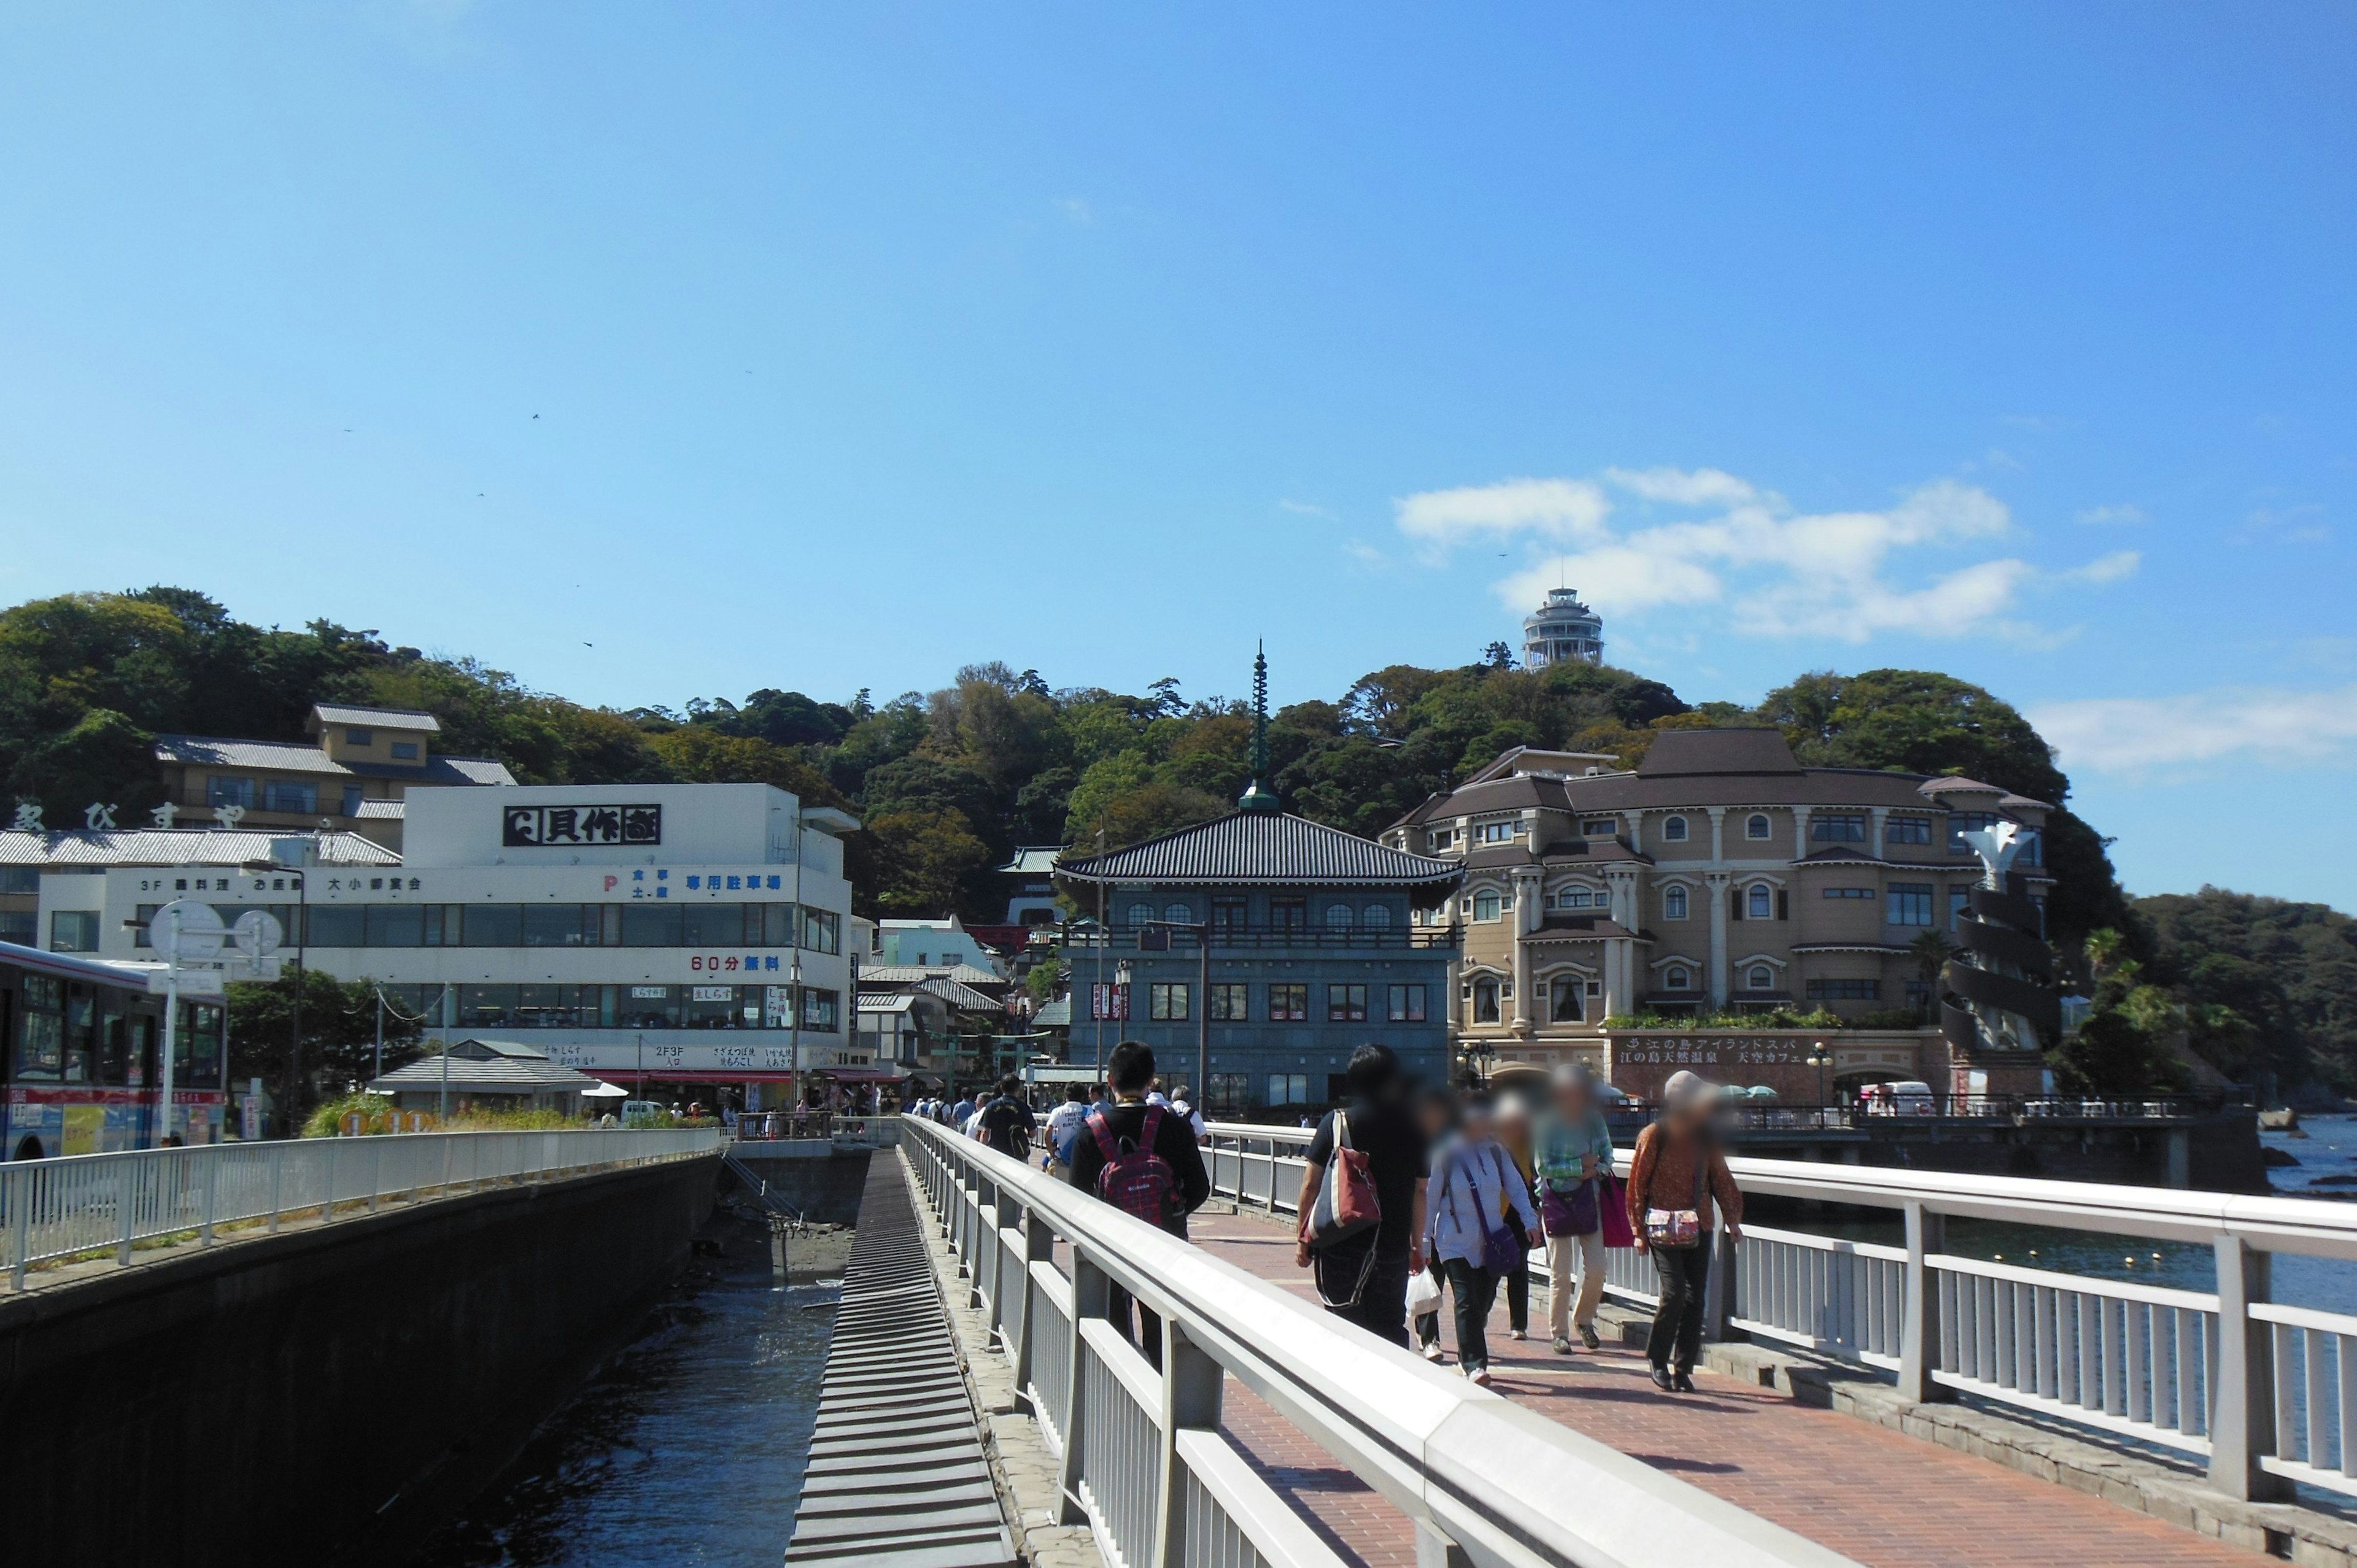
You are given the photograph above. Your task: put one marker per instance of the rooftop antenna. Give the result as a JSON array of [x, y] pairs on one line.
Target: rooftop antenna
[[1259, 797]]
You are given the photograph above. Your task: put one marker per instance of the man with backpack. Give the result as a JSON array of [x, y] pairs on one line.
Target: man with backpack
[[1063, 1129], [1144, 1160], [1006, 1123]]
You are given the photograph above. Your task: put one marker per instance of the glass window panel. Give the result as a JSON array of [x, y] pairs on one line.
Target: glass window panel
[[557, 924], [711, 925], [396, 925], [652, 925]]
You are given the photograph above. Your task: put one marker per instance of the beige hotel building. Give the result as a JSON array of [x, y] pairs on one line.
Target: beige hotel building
[[1719, 876]]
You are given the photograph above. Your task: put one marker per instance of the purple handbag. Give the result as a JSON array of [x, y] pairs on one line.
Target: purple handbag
[[1572, 1213]]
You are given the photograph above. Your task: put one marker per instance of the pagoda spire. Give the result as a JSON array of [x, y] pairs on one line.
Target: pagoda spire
[[1259, 797]]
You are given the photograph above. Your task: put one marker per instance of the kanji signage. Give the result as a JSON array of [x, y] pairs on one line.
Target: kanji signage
[[548, 827]]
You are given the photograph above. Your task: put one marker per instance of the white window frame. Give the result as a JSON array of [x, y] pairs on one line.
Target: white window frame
[[1758, 820], [1674, 829]]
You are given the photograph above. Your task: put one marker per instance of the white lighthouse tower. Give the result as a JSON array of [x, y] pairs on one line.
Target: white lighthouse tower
[[1561, 631]]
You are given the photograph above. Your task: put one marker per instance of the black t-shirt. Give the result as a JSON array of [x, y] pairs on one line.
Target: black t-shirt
[[1397, 1158], [1175, 1142], [1007, 1125]]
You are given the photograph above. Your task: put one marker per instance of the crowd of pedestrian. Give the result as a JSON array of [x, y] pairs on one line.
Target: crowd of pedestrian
[[1417, 1198]]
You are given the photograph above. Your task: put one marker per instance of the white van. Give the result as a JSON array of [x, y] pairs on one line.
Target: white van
[[1906, 1096]]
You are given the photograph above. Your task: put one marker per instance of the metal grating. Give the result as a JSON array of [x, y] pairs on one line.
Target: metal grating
[[897, 1474]]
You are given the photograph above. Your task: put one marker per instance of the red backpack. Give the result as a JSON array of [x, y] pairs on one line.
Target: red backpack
[[1136, 1180]]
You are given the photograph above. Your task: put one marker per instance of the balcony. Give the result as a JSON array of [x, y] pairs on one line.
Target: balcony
[[1251, 938]]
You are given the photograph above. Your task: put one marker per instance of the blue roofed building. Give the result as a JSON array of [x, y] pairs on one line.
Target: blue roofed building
[[1261, 949]]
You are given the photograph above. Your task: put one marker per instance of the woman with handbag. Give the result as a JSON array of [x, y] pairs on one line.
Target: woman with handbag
[[1677, 1173], [1362, 1199], [1574, 1170], [1476, 1184], [1512, 1128]]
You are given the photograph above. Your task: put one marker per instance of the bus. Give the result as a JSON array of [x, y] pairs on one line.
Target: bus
[[81, 1075]]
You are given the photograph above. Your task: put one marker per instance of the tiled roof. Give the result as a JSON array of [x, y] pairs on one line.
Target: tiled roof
[[1262, 848], [218, 751], [965, 998], [497, 1071], [382, 811], [909, 974], [1033, 860], [1056, 1014], [379, 718], [1952, 785], [900, 1001], [177, 847], [1678, 753], [1578, 927], [439, 770]]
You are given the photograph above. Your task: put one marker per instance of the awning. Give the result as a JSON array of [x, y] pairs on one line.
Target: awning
[[859, 1074]]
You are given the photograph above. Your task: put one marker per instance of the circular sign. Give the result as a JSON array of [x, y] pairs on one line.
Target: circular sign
[[187, 930], [257, 933]]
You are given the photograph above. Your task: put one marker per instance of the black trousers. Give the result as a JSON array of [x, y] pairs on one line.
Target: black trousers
[[1685, 1272], [1518, 1296], [1382, 1307], [1475, 1290], [1147, 1336]]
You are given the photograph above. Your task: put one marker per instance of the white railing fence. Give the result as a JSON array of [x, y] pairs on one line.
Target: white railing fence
[[2264, 1391], [94, 1205], [1146, 1464]]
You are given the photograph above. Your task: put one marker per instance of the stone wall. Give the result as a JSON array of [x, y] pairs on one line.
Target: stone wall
[[326, 1394]]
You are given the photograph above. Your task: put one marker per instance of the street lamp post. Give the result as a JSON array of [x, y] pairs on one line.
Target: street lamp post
[[1820, 1059]]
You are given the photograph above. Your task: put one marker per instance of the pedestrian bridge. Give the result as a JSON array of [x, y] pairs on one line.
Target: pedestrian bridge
[[1271, 1434]]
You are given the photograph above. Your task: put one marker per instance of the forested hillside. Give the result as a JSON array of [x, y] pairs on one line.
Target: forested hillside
[[949, 781], [2271, 982]]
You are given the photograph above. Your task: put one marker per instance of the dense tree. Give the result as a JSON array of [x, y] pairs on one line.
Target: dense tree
[[2271, 980], [338, 1040]]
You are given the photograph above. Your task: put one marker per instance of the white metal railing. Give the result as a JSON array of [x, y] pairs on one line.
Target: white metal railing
[[2264, 1390], [98, 1205], [1144, 1462]]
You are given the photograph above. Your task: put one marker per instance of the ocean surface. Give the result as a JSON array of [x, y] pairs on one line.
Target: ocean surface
[[688, 1448]]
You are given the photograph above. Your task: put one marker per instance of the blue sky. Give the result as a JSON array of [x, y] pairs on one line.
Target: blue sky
[[866, 342]]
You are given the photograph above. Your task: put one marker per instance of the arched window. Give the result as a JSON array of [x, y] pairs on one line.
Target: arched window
[[1338, 917], [1677, 978], [1139, 914], [1755, 826], [1759, 902], [1674, 830], [1487, 905], [1376, 915], [1184, 913], [1674, 904], [1761, 978]]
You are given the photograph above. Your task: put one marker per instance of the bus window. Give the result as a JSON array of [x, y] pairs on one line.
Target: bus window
[[113, 1049], [197, 1049], [41, 1033], [81, 1032]]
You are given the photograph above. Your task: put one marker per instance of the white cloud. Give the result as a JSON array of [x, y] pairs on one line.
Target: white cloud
[[1307, 508], [1571, 510], [1367, 555], [1780, 572], [2099, 516], [2269, 725], [2104, 569]]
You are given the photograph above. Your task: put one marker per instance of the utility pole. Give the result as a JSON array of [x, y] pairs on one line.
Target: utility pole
[[1105, 940]]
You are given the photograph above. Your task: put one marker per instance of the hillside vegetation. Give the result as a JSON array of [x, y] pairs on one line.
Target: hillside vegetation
[[948, 782]]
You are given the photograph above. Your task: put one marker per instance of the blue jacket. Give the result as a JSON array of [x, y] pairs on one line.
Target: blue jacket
[[1472, 1187]]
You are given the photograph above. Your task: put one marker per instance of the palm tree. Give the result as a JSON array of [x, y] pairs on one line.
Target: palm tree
[[1932, 950], [2103, 949]]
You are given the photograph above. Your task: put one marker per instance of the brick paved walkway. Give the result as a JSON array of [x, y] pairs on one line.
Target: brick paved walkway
[[1886, 1499]]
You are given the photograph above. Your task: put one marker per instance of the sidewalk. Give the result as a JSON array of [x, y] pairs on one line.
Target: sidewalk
[[1887, 1499]]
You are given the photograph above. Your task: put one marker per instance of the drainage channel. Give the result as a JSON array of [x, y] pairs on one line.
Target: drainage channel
[[897, 1474]]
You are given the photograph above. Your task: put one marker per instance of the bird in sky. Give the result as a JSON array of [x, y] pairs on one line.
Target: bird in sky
[[535, 416], [589, 645]]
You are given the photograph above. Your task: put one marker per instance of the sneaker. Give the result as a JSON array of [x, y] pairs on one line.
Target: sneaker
[[1562, 1346], [1481, 1377], [1587, 1336], [1661, 1380], [1683, 1382], [1432, 1352], [1518, 1333]]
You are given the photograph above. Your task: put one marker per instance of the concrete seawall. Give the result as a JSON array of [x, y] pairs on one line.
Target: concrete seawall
[[324, 1394]]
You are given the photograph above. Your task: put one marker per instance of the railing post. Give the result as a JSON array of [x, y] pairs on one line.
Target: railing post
[[1005, 1316], [1436, 1550], [1038, 1247], [212, 1189], [326, 1179], [124, 1188], [277, 1183], [1091, 1296], [20, 1181], [1190, 1398], [1919, 1334], [1718, 1293], [2242, 1402]]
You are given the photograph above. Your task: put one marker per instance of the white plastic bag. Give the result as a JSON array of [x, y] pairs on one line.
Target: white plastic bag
[[1423, 1293]]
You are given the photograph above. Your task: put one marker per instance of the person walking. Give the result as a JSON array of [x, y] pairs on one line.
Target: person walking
[[1362, 1278], [1005, 1122], [1477, 1185], [1514, 1134], [1063, 1127], [1676, 1173], [1115, 1158], [1436, 1113], [1575, 1159]]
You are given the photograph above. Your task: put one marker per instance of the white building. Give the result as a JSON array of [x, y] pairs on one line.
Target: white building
[[675, 934], [1561, 631], [931, 944]]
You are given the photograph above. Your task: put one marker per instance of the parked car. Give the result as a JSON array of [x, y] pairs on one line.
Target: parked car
[[1906, 1096]]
